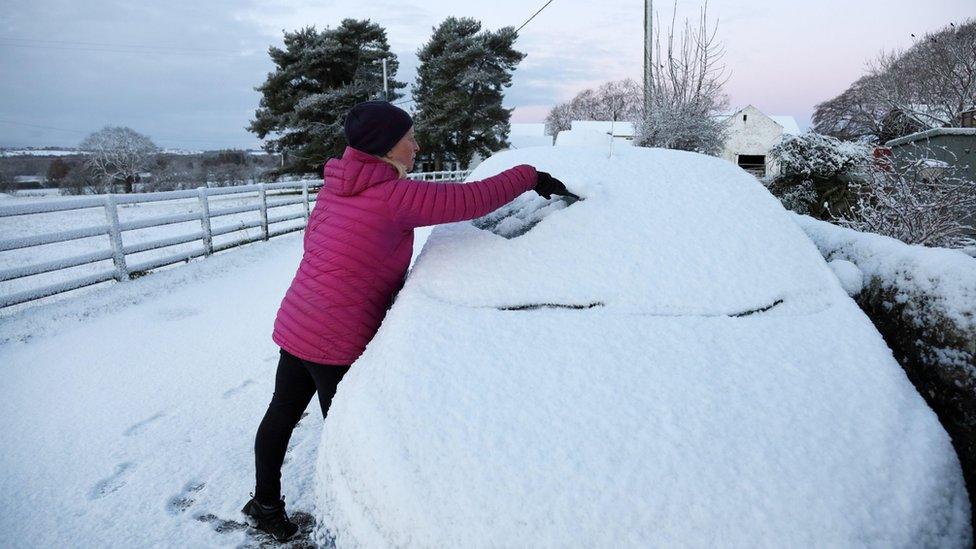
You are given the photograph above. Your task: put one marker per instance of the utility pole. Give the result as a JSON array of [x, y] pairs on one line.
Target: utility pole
[[386, 86], [386, 89], [648, 55]]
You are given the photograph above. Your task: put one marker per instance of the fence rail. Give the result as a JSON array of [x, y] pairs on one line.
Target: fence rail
[[119, 253], [451, 175]]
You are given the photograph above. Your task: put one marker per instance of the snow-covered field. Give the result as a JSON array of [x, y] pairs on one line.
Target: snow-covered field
[[35, 224], [39, 152]]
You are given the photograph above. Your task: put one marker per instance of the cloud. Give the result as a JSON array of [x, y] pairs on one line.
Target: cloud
[[185, 69]]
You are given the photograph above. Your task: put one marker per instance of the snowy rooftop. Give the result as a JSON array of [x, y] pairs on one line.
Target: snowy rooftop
[[927, 134], [619, 128], [523, 141], [788, 122], [668, 362]]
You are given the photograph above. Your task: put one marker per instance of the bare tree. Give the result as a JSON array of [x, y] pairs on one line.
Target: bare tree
[[686, 92], [932, 82], [853, 115], [119, 154], [616, 100], [922, 201], [927, 86]]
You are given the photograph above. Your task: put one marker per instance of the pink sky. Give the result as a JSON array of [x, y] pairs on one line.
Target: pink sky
[[784, 57], [184, 72]]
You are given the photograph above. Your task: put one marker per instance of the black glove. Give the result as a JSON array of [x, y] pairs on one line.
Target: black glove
[[547, 185]]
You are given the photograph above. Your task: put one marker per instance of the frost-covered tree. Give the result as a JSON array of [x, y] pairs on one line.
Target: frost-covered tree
[[458, 93], [318, 77], [919, 202], [686, 91], [617, 100], [118, 155], [928, 85], [813, 172]]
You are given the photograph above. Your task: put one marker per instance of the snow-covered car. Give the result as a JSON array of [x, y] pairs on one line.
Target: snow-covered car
[[667, 362]]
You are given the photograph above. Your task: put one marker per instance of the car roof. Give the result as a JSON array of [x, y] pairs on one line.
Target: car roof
[[658, 232]]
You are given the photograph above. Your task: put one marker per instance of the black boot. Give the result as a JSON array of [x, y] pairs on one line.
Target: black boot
[[271, 518]]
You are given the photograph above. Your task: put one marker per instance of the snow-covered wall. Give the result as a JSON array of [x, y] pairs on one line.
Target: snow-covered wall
[[751, 132], [923, 301]]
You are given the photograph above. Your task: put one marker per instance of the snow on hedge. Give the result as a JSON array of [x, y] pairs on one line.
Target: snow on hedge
[[668, 362], [947, 278]]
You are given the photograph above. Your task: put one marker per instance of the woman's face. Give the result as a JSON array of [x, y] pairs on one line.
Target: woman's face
[[405, 150]]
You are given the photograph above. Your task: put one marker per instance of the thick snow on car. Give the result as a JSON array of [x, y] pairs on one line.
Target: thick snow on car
[[667, 362]]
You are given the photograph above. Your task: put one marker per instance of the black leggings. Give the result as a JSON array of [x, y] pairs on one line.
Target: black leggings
[[295, 383]]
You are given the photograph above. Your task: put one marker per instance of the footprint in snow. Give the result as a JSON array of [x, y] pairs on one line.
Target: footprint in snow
[[231, 392], [185, 499], [140, 426], [258, 539], [176, 313], [112, 483]]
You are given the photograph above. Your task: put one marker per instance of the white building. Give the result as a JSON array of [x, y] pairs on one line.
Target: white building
[[524, 135], [597, 133], [752, 133]]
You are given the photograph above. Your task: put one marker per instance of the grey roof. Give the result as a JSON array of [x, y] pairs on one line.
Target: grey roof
[[929, 134]]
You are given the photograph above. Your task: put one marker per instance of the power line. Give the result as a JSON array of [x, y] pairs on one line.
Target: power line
[[533, 16], [544, 6]]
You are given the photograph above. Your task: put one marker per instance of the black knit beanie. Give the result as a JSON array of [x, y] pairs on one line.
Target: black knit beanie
[[374, 127]]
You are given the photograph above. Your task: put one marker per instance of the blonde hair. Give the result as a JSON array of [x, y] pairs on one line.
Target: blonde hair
[[401, 170]]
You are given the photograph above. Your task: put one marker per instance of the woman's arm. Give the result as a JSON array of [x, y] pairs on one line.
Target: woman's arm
[[421, 203]]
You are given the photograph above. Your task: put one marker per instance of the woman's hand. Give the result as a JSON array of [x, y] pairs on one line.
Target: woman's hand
[[547, 185]]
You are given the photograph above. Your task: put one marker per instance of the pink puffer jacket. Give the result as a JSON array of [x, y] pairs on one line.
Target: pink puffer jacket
[[358, 245]]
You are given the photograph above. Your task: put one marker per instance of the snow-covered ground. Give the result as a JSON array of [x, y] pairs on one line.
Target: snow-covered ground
[[650, 415], [129, 414], [668, 362]]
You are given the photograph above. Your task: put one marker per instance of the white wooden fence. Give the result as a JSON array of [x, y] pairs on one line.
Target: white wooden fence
[[118, 252], [124, 270], [453, 175]]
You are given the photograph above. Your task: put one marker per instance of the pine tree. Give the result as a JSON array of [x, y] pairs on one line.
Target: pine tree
[[459, 90], [319, 76]]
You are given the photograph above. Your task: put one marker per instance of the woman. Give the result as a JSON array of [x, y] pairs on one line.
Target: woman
[[358, 245]]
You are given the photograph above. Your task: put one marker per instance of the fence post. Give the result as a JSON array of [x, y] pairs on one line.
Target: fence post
[[264, 210], [115, 235], [205, 221], [305, 199]]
